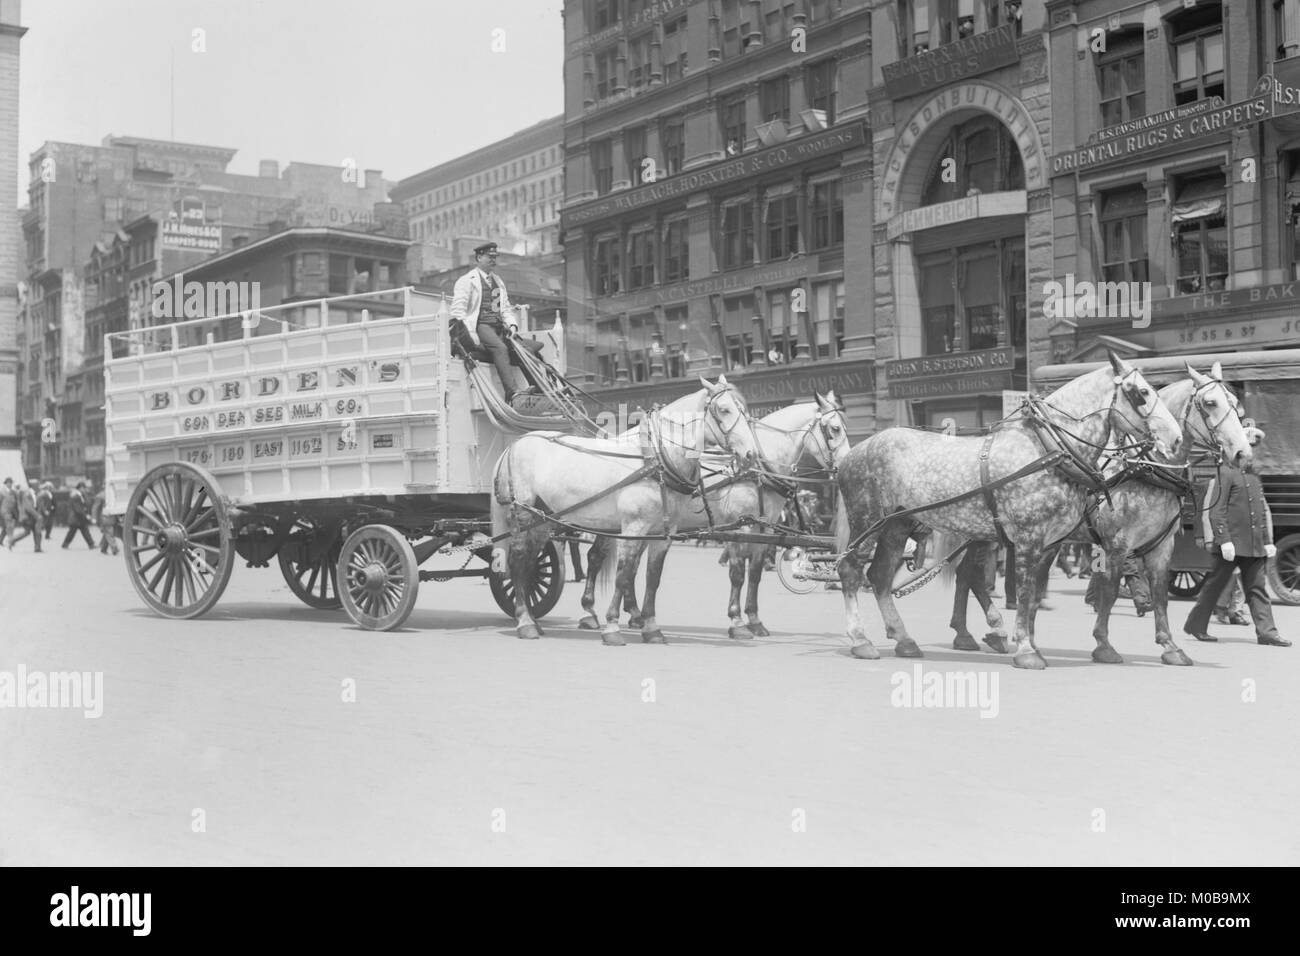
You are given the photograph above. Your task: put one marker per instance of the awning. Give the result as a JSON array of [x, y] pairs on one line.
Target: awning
[[1199, 199]]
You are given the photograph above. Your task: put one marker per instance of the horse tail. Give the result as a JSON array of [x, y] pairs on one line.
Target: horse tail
[[841, 525], [609, 566], [943, 543], [502, 498]]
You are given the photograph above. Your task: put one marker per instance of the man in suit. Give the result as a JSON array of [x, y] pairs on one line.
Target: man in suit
[[8, 511], [481, 303], [79, 517], [29, 518], [1237, 522]]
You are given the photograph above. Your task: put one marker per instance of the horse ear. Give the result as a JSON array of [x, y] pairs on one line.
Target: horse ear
[[706, 383], [832, 399], [820, 399], [1196, 376], [1116, 362], [1216, 372], [722, 381]]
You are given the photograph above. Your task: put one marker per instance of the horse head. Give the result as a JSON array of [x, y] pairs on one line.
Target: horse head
[[831, 429], [1220, 414], [1136, 409], [726, 419]]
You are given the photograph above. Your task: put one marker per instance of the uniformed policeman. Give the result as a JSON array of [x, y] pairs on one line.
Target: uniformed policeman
[[481, 303], [1239, 525]]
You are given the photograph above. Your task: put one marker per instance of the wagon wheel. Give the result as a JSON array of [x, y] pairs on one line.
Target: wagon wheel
[[548, 584], [309, 560], [179, 549], [1284, 570], [1186, 584], [788, 560], [378, 577]]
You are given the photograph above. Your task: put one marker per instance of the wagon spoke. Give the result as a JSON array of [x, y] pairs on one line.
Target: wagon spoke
[[311, 581], [144, 513], [194, 507], [201, 520], [156, 558]]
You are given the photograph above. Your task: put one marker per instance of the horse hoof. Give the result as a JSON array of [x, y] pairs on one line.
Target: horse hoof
[[1030, 661], [865, 651], [1106, 655], [653, 637], [758, 630], [635, 622], [612, 639], [589, 623], [907, 648], [1176, 657], [740, 633], [996, 642], [964, 642], [530, 632]]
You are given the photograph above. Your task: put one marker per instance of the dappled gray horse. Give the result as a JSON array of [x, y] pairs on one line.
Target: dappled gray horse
[[903, 469]]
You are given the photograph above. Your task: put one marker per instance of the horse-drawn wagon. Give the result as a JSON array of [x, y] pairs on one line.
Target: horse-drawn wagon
[[339, 438], [1268, 385]]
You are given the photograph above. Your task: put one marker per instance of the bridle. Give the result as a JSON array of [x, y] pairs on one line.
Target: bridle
[[1133, 395], [822, 424]]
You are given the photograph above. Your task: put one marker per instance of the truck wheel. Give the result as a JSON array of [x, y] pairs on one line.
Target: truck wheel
[[1186, 584], [1284, 570]]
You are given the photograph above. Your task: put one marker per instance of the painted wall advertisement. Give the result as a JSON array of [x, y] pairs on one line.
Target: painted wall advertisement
[[74, 323], [188, 226]]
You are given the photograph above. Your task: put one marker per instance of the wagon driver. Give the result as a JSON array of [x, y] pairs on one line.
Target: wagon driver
[[481, 303]]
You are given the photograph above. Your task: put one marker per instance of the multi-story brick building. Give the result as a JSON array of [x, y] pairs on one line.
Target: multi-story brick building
[[11, 339], [717, 212], [1176, 161], [150, 208], [509, 192], [963, 222]]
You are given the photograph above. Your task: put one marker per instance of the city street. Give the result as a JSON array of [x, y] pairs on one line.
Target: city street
[[234, 739]]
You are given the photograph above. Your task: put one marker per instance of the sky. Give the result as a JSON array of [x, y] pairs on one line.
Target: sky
[[395, 85]]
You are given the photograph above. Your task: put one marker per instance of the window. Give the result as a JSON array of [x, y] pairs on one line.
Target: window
[[827, 215], [828, 319], [913, 27], [1122, 216], [980, 281], [987, 160], [778, 22], [782, 335], [774, 99], [738, 330], [638, 61], [1198, 54], [676, 251], [607, 267], [634, 153], [734, 30], [1200, 235], [641, 259], [642, 341], [938, 306], [605, 14], [605, 79], [340, 274], [1122, 76], [1286, 26], [676, 324], [781, 218], [733, 124], [1291, 207], [672, 140], [819, 12], [737, 233], [609, 343], [673, 51], [602, 166], [819, 88]]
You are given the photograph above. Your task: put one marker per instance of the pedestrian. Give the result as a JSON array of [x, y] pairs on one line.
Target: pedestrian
[[79, 517], [1134, 575], [1231, 606], [8, 511], [106, 537], [29, 519], [1238, 527], [45, 505]]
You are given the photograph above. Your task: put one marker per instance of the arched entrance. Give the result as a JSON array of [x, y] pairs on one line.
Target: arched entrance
[[954, 199]]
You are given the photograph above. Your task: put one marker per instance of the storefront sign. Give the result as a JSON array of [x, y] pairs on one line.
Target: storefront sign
[[795, 151], [956, 373], [957, 210], [969, 383], [1282, 294], [1286, 86], [951, 62], [1245, 332], [1171, 129]]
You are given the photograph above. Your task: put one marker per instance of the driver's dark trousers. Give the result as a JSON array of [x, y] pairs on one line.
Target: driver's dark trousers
[[493, 337], [1253, 571]]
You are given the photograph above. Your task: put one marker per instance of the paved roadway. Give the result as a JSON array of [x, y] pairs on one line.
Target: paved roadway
[[466, 746]]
